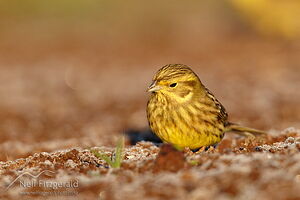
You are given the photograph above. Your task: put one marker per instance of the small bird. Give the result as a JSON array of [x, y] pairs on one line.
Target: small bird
[[183, 112]]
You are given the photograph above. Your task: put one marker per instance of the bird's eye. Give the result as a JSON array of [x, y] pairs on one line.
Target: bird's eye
[[173, 85]]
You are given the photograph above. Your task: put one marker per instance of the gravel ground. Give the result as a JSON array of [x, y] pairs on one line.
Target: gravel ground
[[263, 168]]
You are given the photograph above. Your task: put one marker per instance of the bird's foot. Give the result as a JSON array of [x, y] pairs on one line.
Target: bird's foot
[[210, 148]]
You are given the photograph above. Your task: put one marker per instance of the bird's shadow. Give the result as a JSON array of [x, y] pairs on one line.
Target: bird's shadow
[[136, 136]]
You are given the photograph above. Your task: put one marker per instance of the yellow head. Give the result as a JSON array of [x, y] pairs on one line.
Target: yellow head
[[176, 81]]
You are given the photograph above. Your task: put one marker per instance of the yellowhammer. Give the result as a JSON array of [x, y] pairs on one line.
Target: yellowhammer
[[183, 112]]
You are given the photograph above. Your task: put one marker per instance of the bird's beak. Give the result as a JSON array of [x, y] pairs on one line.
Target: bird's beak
[[153, 87]]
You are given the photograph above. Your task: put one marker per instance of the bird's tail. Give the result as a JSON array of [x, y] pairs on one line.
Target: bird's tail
[[241, 130]]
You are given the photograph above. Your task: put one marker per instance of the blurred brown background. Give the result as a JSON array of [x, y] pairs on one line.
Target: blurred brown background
[[74, 72]]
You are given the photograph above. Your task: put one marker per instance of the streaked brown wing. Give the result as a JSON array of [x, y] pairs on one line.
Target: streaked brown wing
[[222, 116]]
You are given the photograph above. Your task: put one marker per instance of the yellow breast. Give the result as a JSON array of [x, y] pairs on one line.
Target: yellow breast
[[184, 125]]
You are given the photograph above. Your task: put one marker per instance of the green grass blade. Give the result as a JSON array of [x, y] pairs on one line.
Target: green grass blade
[[103, 157], [119, 153], [118, 158]]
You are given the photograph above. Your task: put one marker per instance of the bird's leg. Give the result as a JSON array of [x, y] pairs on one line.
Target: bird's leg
[[209, 147], [196, 150], [205, 148]]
